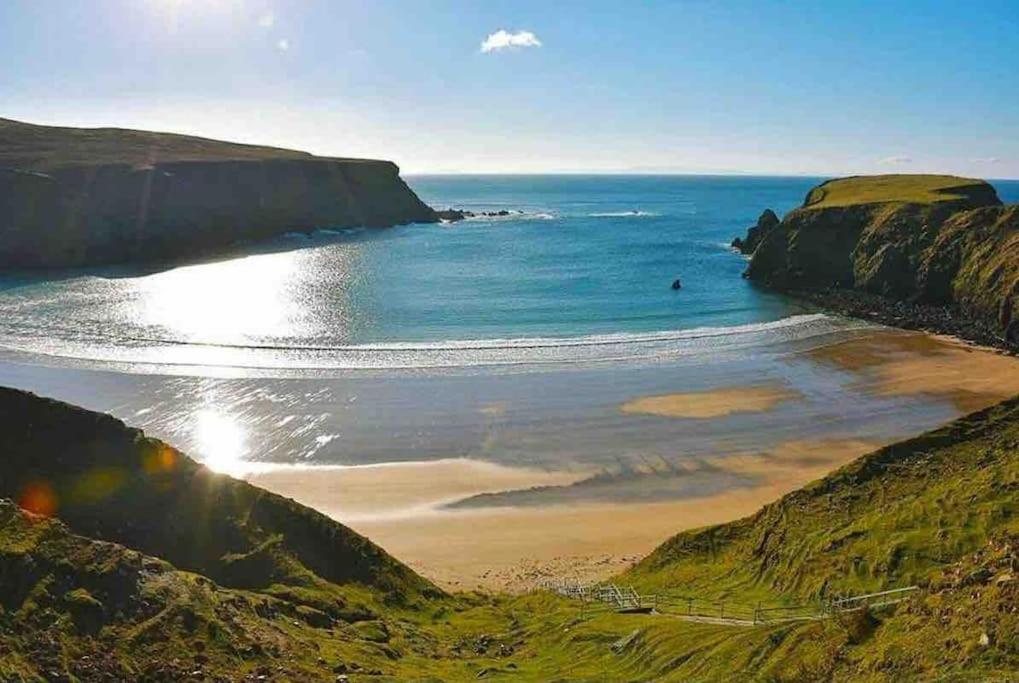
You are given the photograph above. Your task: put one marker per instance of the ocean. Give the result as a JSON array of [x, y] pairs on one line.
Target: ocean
[[580, 270], [580, 262]]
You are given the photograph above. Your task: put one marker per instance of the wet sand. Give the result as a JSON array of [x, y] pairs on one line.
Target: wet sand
[[897, 363], [712, 403], [402, 490]]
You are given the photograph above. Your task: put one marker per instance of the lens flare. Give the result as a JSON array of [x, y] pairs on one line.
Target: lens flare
[[38, 497]]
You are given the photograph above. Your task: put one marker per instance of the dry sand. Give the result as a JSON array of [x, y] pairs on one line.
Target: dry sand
[[511, 548], [712, 403]]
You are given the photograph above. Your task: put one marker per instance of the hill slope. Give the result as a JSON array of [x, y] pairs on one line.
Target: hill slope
[[940, 511], [76, 197], [111, 482]]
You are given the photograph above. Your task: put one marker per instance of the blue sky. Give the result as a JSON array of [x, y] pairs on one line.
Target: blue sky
[[783, 87]]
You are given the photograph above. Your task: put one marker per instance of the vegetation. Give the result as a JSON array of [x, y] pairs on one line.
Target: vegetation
[[111, 482], [939, 511], [44, 148], [899, 188]]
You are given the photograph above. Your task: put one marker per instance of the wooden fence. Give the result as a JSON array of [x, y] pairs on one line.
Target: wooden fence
[[596, 598]]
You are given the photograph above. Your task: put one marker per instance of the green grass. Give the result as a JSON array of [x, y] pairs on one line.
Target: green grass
[[108, 481], [45, 148], [898, 188], [940, 510]]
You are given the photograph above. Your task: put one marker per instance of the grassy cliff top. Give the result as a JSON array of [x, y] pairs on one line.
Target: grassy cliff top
[[904, 188], [42, 148]]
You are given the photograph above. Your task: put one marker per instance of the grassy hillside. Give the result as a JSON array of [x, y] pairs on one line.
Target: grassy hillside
[[939, 511], [900, 188], [111, 482], [44, 148]]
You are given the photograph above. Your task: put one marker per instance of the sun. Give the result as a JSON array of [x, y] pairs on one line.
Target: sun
[[220, 441]]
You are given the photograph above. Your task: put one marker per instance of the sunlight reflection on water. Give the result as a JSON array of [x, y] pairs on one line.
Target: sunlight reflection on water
[[221, 441]]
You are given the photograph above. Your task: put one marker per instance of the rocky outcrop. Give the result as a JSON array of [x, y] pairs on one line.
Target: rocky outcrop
[[755, 233], [452, 215], [193, 197], [960, 253]]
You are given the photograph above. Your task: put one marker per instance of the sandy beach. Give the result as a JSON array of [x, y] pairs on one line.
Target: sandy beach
[[510, 548], [512, 544], [896, 363], [496, 479], [713, 403]]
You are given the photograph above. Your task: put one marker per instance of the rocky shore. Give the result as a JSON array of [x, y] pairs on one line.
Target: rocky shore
[[909, 315], [452, 215]]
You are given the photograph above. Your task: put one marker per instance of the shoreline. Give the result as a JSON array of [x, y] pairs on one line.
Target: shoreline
[[509, 540], [548, 474], [945, 320]]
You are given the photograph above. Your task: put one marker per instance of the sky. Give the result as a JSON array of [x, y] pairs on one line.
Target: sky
[[793, 88]]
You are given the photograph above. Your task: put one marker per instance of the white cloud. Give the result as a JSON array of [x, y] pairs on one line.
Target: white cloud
[[987, 160], [501, 39], [267, 20], [283, 44], [895, 161]]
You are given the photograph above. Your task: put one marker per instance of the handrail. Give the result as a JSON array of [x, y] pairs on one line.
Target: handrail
[[613, 596]]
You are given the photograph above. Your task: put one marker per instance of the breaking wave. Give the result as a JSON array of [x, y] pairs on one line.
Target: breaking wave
[[702, 342]]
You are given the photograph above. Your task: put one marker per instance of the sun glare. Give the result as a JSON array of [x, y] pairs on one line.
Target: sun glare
[[219, 440], [227, 302]]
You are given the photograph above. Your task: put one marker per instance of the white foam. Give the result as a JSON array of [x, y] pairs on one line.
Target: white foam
[[463, 353], [624, 214]]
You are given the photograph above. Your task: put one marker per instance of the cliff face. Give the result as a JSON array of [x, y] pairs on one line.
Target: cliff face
[[156, 197], [958, 247]]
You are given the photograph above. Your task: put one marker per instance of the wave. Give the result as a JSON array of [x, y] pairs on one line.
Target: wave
[[669, 345], [512, 216], [624, 214]]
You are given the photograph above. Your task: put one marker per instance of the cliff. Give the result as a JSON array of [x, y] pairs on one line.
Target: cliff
[[76, 197], [924, 240]]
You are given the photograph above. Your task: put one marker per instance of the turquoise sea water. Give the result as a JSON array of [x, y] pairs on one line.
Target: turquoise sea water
[[579, 271], [590, 255]]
